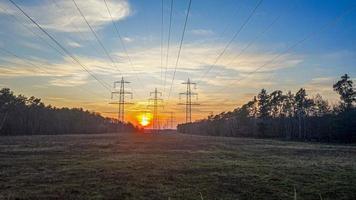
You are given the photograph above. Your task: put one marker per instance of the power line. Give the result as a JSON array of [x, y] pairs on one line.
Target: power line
[[29, 63], [168, 45], [122, 42], [21, 58], [180, 48], [307, 37], [80, 34], [251, 42], [96, 37], [232, 39], [256, 38], [37, 35], [58, 44], [162, 42], [33, 32], [228, 25]]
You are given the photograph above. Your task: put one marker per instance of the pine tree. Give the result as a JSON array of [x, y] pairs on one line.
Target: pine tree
[[347, 94]]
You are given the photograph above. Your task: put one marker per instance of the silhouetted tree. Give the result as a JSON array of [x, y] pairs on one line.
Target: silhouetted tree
[[321, 106], [346, 92], [286, 116], [28, 116], [276, 103], [263, 104], [301, 104], [263, 110]]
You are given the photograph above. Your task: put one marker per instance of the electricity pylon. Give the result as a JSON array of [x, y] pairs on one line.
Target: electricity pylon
[[171, 120], [188, 100], [122, 94], [156, 100]]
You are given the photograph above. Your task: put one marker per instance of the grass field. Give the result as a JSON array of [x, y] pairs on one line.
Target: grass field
[[173, 166]]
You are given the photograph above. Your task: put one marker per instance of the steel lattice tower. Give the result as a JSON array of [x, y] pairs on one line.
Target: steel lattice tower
[[122, 94], [171, 120], [188, 100], [156, 100]]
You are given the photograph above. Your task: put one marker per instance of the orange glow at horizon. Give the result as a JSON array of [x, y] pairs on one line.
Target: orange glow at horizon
[[144, 119]]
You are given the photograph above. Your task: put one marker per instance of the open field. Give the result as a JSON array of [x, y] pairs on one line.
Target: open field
[[173, 166]]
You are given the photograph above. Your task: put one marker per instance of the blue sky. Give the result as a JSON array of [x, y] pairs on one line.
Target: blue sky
[[314, 64]]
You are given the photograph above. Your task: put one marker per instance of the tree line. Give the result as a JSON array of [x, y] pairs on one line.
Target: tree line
[[20, 115], [288, 116]]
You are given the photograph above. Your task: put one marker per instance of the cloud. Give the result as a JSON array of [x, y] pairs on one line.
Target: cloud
[[74, 44], [32, 45], [322, 86], [14, 67], [202, 32], [70, 81], [127, 39], [194, 62], [62, 16], [264, 62]]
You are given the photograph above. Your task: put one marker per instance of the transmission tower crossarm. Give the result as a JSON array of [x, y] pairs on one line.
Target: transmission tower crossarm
[[122, 94], [155, 106], [188, 104]]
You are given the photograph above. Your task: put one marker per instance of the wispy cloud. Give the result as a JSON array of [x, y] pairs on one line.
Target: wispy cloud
[[14, 67], [74, 44], [323, 86], [202, 32], [194, 61], [62, 16], [128, 39], [70, 81]]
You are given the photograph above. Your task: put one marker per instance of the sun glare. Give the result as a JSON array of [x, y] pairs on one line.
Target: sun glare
[[144, 119]]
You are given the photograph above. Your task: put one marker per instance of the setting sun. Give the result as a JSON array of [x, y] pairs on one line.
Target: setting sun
[[144, 119]]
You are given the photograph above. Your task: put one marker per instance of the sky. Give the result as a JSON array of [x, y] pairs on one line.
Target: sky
[[231, 49]]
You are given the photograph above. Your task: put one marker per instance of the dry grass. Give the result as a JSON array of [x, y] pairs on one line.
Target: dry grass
[[136, 166]]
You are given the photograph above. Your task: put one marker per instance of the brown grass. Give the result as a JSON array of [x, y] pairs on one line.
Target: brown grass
[[172, 166]]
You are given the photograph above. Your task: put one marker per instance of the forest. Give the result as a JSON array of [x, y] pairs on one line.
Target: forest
[[20, 115], [287, 116]]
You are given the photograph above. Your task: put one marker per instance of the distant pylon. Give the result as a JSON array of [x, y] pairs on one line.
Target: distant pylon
[[122, 93], [171, 120], [188, 100], [155, 99]]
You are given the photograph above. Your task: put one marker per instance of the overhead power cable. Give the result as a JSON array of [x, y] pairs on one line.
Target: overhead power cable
[[30, 63], [162, 40], [180, 48], [81, 36], [122, 42], [168, 46], [294, 45], [59, 45], [41, 38], [96, 37], [250, 43], [232, 39], [33, 32]]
